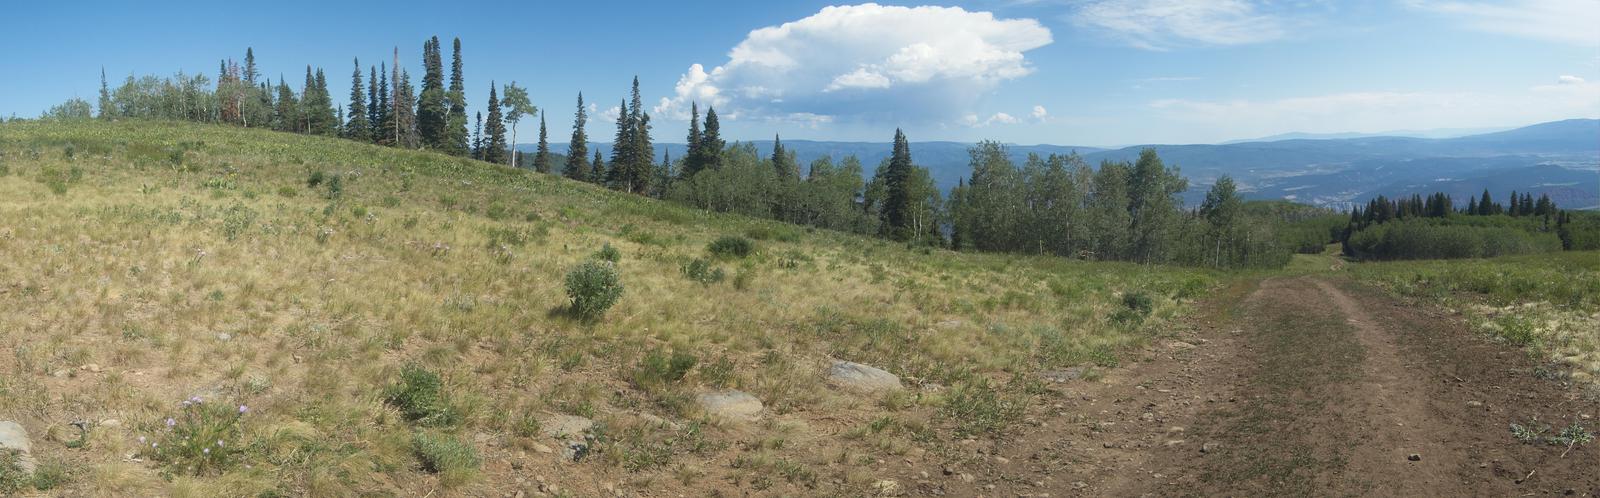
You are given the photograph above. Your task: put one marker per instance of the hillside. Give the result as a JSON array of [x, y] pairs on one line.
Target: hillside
[[396, 323]]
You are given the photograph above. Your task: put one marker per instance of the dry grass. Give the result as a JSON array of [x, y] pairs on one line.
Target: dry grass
[[160, 261]]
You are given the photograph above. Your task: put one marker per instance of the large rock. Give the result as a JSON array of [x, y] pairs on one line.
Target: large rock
[[14, 438], [559, 426], [732, 405], [863, 378]]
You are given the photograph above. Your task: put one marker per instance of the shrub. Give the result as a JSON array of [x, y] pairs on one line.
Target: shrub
[[978, 408], [731, 246], [700, 270], [453, 459], [335, 187], [1138, 302], [593, 288], [202, 439], [315, 179], [608, 253], [421, 399]]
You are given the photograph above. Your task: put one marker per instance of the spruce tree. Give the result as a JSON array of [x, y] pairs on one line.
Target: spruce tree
[[374, 109], [405, 108], [577, 167], [287, 116], [105, 96], [897, 204], [598, 173], [432, 109], [385, 131], [250, 73], [783, 162], [711, 143], [621, 149], [477, 138], [1485, 205], [358, 128], [691, 157], [494, 131], [457, 120], [541, 158]]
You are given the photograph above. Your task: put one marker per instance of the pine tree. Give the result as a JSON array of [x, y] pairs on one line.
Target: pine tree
[[374, 109], [405, 108], [106, 105], [358, 128], [692, 156], [783, 162], [494, 131], [320, 118], [287, 115], [457, 120], [599, 172], [896, 211], [250, 73], [1472, 206], [541, 158], [432, 109], [577, 167], [387, 131], [1485, 205]]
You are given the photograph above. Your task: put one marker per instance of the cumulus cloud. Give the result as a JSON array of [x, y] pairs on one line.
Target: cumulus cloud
[[997, 118], [1164, 24], [864, 62], [1040, 114], [1567, 79], [1377, 111], [1562, 21]]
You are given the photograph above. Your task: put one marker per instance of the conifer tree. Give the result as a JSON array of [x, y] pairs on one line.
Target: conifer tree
[[783, 162], [405, 108], [711, 144], [105, 96], [621, 148], [250, 73], [374, 109], [691, 157], [598, 172], [896, 210], [358, 128], [541, 158], [386, 130], [494, 131], [287, 116], [1485, 205], [477, 138], [432, 109], [577, 167], [457, 120]]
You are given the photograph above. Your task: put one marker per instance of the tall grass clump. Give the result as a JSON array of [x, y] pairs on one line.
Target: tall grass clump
[[731, 246], [421, 398], [201, 439]]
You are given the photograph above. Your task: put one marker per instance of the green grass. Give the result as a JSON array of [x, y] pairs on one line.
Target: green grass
[[188, 258]]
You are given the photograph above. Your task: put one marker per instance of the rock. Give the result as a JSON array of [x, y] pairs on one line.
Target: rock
[[111, 422], [1209, 447], [655, 421], [1180, 345], [967, 478], [1414, 457], [559, 426], [1175, 442], [541, 448], [91, 367], [61, 374], [224, 336], [14, 438], [1067, 375], [862, 378], [737, 406], [1002, 460], [1475, 404], [575, 451], [1148, 417]]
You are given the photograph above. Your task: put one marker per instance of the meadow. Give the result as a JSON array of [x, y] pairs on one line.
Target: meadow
[[353, 319]]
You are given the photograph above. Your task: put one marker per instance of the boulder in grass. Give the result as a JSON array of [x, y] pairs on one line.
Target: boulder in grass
[[13, 438], [862, 378], [736, 406]]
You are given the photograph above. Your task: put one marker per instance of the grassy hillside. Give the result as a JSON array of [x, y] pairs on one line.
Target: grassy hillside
[[396, 322], [1549, 303]]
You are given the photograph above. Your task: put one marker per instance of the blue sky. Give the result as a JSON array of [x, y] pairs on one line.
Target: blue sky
[[1081, 72]]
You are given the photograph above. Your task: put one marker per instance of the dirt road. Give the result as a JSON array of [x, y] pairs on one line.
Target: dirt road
[[1303, 386]]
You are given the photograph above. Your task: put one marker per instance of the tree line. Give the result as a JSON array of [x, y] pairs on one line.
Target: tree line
[[1432, 228]]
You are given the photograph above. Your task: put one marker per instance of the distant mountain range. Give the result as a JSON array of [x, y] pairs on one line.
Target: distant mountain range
[[1560, 158]]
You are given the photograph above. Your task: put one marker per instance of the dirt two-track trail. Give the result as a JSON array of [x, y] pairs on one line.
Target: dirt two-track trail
[[1301, 386]]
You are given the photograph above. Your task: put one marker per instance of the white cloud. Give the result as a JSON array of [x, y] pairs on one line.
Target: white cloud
[[997, 118], [1164, 24], [1040, 114], [1562, 21], [1378, 111], [1567, 79], [864, 62]]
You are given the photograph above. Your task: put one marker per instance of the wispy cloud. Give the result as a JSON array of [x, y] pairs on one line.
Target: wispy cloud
[[1166, 24], [1563, 21], [1565, 97]]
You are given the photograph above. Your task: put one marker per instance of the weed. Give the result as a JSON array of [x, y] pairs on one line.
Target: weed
[[593, 287], [316, 178], [731, 246], [420, 397], [12, 478], [978, 408], [202, 439], [658, 369], [700, 270], [608, 253]]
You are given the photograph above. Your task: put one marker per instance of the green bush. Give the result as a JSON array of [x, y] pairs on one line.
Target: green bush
[[700, 270], [978, 408], [202, 439], [608, 253], [593, 288], [731, 246], [421, 398], [315, 179], [454, 460]]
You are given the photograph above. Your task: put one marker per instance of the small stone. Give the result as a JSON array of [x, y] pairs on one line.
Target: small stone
[[542, 448], [1107, 445], [61, 374], [91, 367], [1079, 485], [1002, 460], [1065, 375], [1148, 417], [111, 422], [1209, 447], [1174, 442], [887, 487], [224, 336], [1175, 430], [967, 478], [1475, 404], [1414, 457]]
